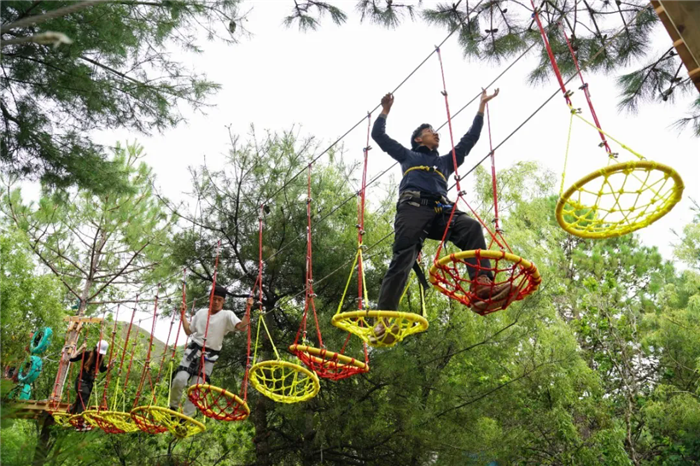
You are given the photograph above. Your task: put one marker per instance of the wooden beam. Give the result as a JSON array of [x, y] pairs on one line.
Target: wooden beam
[[682, 22], [91, 320], [31, 409]]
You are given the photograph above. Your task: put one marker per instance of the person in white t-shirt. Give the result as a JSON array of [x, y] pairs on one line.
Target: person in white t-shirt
[[221, 322]]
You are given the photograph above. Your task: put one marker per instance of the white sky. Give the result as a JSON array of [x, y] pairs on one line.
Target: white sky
[[327, 80]]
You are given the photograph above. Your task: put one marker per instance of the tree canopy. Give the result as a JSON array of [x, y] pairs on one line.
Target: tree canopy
[[116, 69], [600, 365]]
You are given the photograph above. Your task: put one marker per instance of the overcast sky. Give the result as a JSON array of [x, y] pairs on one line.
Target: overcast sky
[[325, 81]]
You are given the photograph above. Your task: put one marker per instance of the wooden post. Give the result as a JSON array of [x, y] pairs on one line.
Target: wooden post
[[682, 21]]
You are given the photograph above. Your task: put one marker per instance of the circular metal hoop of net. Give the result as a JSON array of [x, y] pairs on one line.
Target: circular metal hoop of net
[[62, 418], [619, 199], [451, 276], [147, 423], [328, 364], [80, 423], [112, 422], [217, 403], [381, 329], [284, 382], [178, 424]]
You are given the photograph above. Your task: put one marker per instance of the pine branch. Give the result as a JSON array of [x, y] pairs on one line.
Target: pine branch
[[643, 84], [389, 16], [307, 22], [693, 120]]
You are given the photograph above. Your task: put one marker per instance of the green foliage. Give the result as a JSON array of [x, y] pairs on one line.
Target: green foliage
[[30, 299], [599, 366], [99, 245], [115, 74], [688, 250]]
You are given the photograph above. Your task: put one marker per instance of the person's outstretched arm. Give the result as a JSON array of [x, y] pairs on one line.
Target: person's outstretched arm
[[242, 326], [388, 145], [468, 141], [185, 322]]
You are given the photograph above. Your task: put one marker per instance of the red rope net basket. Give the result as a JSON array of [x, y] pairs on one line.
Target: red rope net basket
[[328, 364], [93, 417], [217, 403], [80, 423], [113, 422], [450, 275], [146, 422]]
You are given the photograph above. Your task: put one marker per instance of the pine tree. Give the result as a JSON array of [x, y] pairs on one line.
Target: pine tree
[[113, 74]]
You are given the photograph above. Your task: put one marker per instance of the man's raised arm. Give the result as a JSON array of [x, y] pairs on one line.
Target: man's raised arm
[[469, 140], [388, 145]]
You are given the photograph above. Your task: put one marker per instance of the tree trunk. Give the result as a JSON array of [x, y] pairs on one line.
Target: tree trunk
[[309, 435], [74, 334], [262, 433], [43, 440]]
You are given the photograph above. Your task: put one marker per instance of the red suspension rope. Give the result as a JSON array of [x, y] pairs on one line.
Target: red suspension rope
[[184, 306], [550, 53], [202, 374], [496, 220], [309, 295], [80, 374], [147, 363], [165, 352], [460, 192], [133, 352], [361, 219], [109, 362], [584, 86], [126, 343]]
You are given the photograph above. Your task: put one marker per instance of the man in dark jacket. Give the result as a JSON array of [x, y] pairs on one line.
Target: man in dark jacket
[[423, 210]]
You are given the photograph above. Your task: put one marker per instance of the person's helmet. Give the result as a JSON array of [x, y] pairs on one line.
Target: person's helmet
[[102, 347]]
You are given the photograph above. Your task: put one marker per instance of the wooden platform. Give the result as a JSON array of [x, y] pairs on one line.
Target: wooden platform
[[682, 21], [30, 409]]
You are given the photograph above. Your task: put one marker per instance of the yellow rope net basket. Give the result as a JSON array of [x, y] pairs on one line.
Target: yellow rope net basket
[[178, 424], [377, 328], [450, 275], [381, 329], [61, 418], [113, 422], [218, 403], [283, 381], [92, 417], [618, 199]]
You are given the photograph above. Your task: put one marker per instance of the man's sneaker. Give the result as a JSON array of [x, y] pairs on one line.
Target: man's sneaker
[[380, 335], [482, 307], [484, 289]]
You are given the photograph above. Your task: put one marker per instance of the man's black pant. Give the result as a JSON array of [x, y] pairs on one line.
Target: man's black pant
[[414, 223], [83, 389]]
